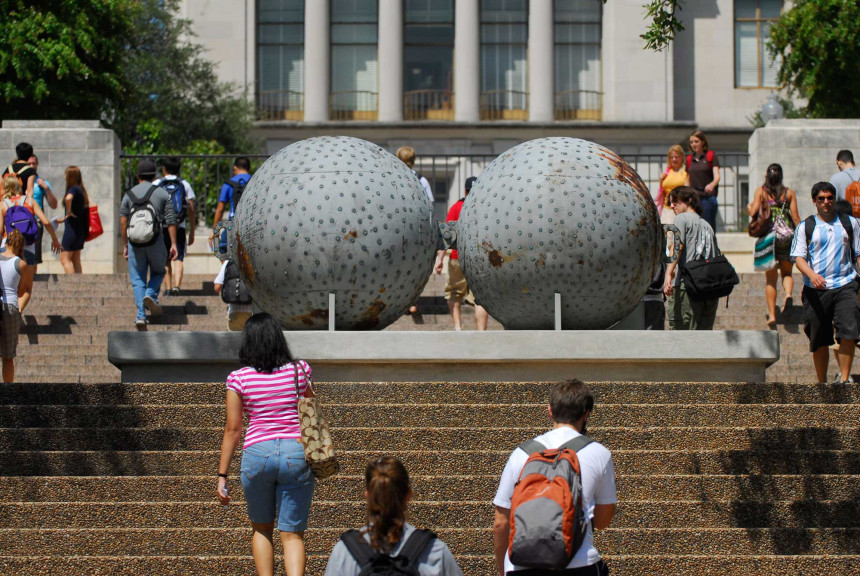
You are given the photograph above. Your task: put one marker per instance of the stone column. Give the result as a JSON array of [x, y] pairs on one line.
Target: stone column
[[541, 62], [390, 60], [467, 67], [317, 60]]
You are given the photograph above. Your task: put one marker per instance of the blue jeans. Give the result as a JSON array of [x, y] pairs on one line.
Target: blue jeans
[[145, 259], [709, 205], [278, 483]]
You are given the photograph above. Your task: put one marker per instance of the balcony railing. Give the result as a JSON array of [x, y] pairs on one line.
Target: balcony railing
[[578, 105], [353, 105], [428, 105], [504, 105], [281, 105]]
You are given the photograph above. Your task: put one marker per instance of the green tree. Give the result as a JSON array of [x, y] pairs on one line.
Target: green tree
[[818, 44], [62, 59]]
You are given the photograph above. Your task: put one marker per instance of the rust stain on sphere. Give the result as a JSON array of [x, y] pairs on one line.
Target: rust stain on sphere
[[559, 215], [334, 214]]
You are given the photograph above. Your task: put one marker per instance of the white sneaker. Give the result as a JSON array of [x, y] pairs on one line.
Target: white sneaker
[[141, 322], [152, 306]]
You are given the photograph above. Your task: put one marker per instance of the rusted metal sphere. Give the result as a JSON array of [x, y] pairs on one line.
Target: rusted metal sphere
[[559, 215], [334, 215]]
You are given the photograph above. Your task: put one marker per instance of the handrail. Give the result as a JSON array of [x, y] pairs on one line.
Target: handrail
[[578, 105], [504, 105], [280, 105], [428, 104], [353, 105]]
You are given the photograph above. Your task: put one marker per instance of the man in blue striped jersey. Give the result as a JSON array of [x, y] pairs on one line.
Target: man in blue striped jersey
[[827, 260]]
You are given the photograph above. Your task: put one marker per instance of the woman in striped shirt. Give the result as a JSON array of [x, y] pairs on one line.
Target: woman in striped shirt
[[276, 479]]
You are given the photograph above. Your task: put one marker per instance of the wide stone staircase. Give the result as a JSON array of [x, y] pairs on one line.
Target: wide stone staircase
[[99, 477]]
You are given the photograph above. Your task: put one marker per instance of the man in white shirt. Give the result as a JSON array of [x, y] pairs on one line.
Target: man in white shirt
[[175, 268], [570, 405], [237, 314]]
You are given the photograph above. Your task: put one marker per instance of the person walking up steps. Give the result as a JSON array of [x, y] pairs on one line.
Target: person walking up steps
[[826, 249], [14, 283], [77, 220], [182, 196], [42, 192], [231, 192], [525, 521], [145, 212]]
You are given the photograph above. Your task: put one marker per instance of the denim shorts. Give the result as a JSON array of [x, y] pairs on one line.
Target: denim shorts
[[278, 483]]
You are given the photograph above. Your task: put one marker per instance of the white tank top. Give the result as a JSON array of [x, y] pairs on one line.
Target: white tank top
[[11, 278]]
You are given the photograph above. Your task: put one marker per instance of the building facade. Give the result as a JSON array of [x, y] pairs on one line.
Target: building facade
[[475, 77]]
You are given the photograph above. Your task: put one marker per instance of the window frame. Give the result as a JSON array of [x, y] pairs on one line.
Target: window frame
[[356, 114], [758, 20], [585, 113], [291, 113], [504, 112]]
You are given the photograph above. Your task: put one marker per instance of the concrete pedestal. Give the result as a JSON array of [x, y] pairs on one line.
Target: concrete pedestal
[[524, 356]]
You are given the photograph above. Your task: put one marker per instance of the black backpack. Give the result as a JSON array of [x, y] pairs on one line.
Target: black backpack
[[238, 189], [234, 291], [374, 563], [176, 189]]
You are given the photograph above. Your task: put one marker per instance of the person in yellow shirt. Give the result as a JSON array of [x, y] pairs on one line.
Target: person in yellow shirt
[[675, 175]]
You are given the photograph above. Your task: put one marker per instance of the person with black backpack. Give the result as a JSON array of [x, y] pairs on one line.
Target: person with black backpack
[[826, 250], [545, 527], [145, 213], [388, 544], [182, 196], [231, 193], [230, 286]]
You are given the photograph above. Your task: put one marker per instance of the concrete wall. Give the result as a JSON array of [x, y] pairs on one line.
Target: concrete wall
[[226, 28], [806, 149], [95, 150]]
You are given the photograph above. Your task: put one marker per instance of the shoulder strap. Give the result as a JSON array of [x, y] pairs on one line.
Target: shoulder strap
[[709, 156], [689, 160], [415, 545], [577, 443], [849, 229], [531, 446], [148, 194], [808, 228], [357, 547]]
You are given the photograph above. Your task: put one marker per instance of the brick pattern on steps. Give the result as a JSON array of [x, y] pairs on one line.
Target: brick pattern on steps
[[99, 477]]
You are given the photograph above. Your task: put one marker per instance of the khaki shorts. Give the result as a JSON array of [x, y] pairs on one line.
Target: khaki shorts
[[455, 286], [236, 321], [9, 329]]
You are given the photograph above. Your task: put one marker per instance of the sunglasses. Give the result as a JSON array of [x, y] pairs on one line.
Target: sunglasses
[[825, 198]]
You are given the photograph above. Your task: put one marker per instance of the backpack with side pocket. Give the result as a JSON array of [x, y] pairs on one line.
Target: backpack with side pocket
[[144, 225], [176, 188], [548, 523], [852, 197], [238, 190], [234, 291], [373, 563], [22, 219]]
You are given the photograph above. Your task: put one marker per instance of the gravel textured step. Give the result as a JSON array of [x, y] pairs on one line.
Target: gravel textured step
[[464, 392], [755, 488], [445, 415], [461, 541], [326, 514], [465, 462], [663, 438]]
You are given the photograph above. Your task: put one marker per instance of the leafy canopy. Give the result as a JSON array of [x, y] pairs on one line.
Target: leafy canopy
[[130, 63], [818, 43]]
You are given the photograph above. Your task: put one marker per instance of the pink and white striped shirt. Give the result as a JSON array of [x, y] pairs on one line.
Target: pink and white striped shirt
[[269, 401]]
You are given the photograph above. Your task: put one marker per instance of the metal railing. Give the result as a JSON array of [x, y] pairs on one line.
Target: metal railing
[[353, 105], [428, 105], [504, 105], [578, 105], [447, 176], [281, 105]]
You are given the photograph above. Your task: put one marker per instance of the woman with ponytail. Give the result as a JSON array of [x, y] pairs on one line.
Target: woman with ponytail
[[388, 539], [771, 253]]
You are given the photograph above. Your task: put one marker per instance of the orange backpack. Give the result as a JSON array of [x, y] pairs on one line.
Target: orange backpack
[[852, 196]]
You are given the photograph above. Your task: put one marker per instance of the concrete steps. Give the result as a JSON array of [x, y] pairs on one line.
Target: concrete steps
[[99, 477]]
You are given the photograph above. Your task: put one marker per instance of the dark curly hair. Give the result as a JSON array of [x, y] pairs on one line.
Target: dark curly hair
[[263, 344]]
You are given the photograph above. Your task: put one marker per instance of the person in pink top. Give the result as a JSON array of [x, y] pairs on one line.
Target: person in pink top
[[276, 479]]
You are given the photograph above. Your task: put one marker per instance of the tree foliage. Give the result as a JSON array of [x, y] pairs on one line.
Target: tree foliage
[[661, 31], [818, 44], [62, 59], [131, 63]]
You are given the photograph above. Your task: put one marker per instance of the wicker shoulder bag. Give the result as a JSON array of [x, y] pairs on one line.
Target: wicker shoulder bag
[[316, 436]]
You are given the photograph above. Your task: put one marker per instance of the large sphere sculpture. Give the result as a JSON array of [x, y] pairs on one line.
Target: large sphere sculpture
[[334, 215], [559, 215]]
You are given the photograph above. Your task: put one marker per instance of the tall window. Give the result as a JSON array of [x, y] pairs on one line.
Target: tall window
[[281, 59], [754, 68], [504, 40], [577, 59], [428, 76], [354, 33]]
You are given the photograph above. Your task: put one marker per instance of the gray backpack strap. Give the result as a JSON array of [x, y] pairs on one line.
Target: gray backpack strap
[[577, 443], [531, 447]]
